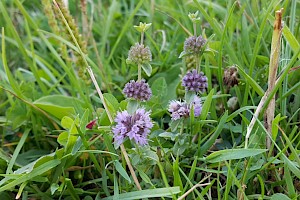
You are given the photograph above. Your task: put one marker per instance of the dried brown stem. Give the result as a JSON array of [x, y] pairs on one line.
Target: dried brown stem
[[136, 181], [274, 61]]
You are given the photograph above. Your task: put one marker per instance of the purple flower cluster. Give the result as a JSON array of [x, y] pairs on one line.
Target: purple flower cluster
[[194, 81], [136, 126], [139, 54], [138, 90], [194, 44], [182, 109]]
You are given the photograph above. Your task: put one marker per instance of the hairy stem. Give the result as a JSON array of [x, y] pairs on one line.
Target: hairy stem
[[139, 72]]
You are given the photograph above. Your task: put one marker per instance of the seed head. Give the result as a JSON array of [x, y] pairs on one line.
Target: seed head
[[136, 126], [194, 81], [138, 90], [139, 54], [194, 44], [230, 77]]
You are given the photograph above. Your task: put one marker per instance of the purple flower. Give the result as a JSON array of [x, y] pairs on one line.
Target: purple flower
[[136, 127], [194, 44], [182, 109], [178, 110], [139, 54], [197, 105], [139, 90], [194, 81]]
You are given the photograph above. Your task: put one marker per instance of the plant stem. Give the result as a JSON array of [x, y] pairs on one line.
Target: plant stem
[[139, 72], [142, 37], [89, 69], [274, 62], [136, 181]]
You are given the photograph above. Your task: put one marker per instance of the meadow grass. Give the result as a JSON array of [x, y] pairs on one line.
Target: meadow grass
[[47, 98]]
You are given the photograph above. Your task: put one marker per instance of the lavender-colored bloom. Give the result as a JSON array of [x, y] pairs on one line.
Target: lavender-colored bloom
[[136, 127], [178, 110], [182, 109], [194, 44], [194, 81], [138, 90], [139, 54], [197, 105]]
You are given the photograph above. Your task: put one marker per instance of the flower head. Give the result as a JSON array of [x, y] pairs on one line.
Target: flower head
[[194, 44], [178, 110], [136, 126], [139, 54], [194, 17], [194, 81], [138, 90], [182, 109], [142, 27]]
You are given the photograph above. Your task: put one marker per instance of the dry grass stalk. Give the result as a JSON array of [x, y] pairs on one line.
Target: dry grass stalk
[[274, 62]]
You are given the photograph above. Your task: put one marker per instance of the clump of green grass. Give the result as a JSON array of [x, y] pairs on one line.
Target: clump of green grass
[[48, 151]]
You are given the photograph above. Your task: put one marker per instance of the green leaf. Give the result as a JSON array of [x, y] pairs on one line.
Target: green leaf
[[174, 124], [151, 193], [189, 96], [71, 189], [251, 81], [84, 121], [214, 136], [34, 173], [144, 176], [159, 87], [53, 188], [177, 179], [13, 83], [183, 54], [232, 154], [122, 171], [147, 68], [59, 105], [77, 146], [206, 105], [132, 106], [170, 135], [17, 114], [293, 42], [67, 123], [291, 165], [63, 138], [279, 196], [17, 151], [97, 151], [111, 102], [289, 182], [275, 123], [237, 112]]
